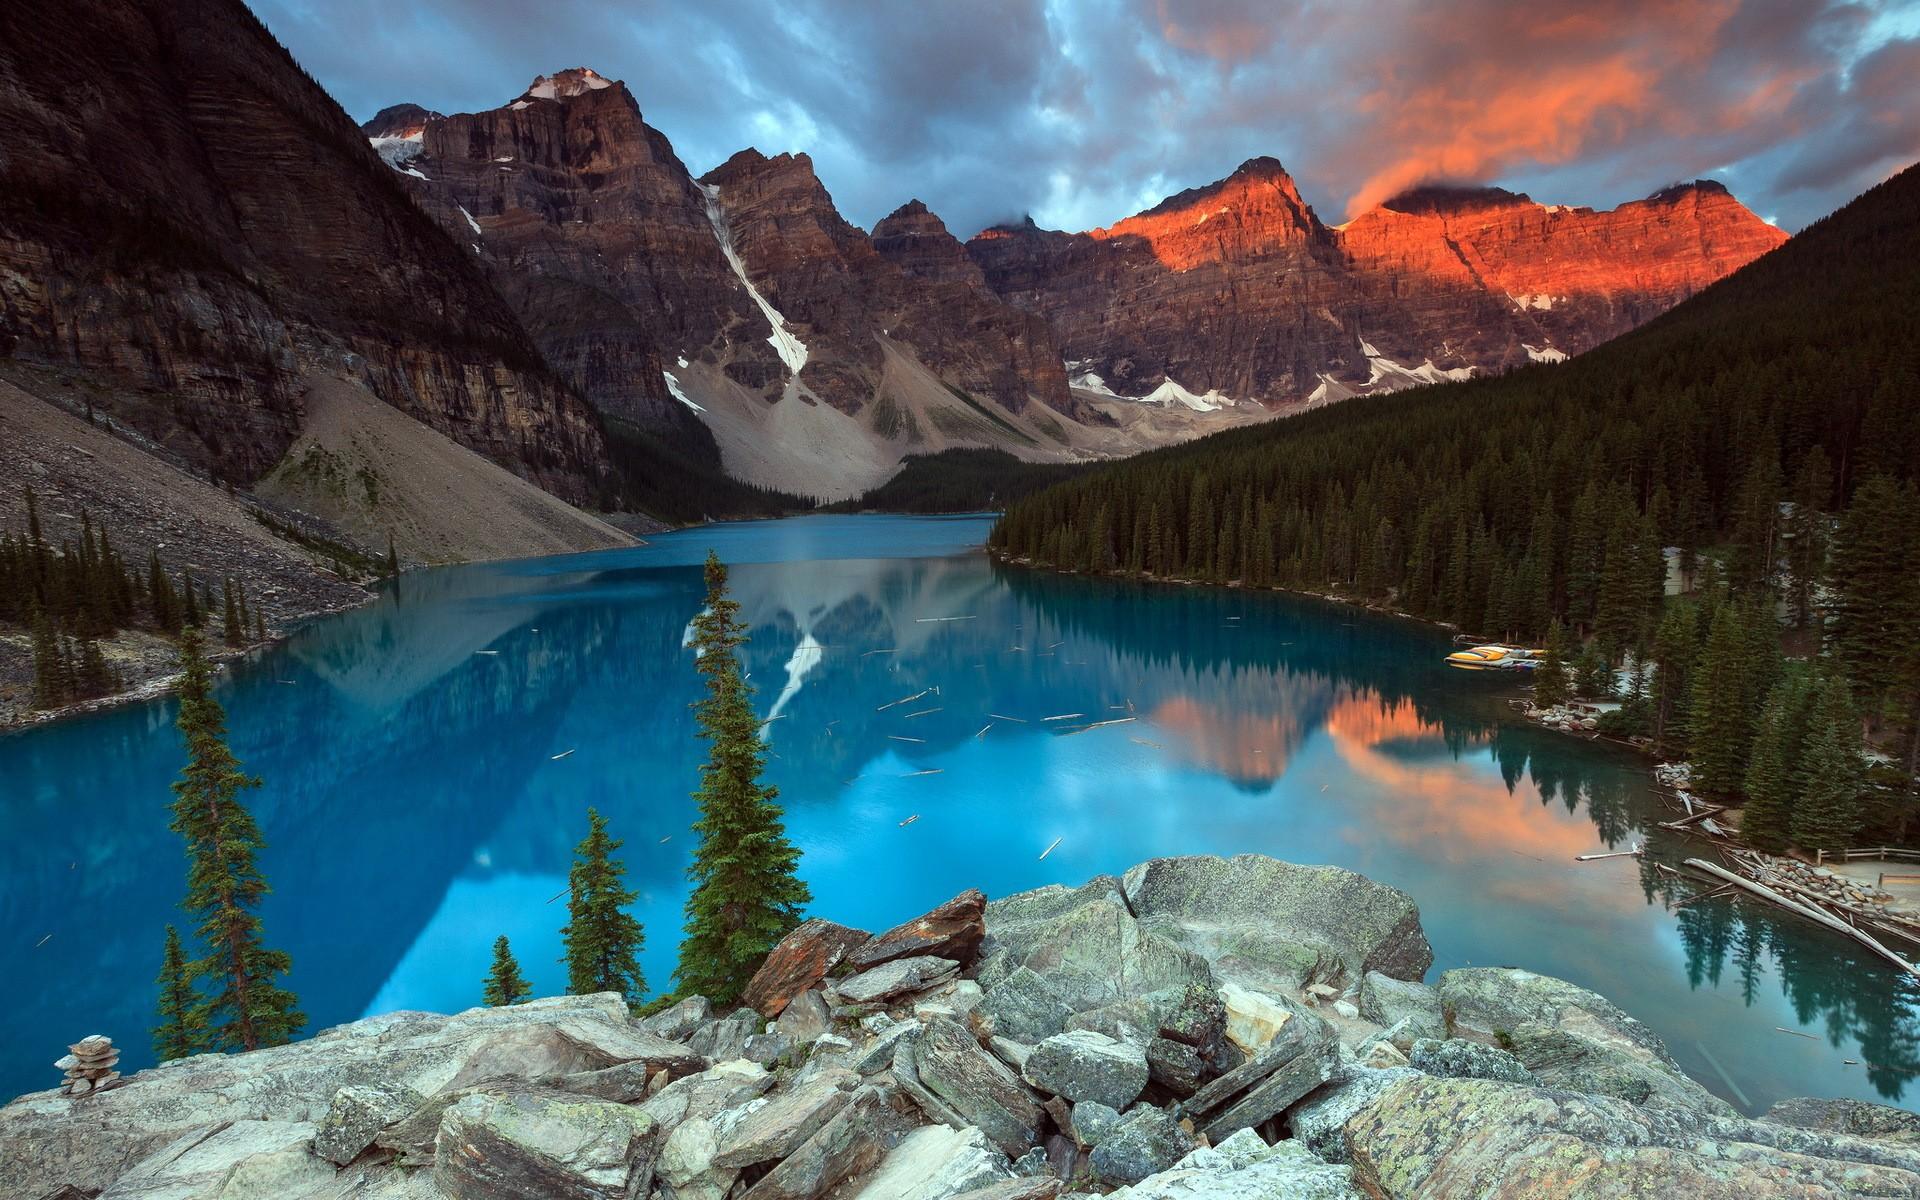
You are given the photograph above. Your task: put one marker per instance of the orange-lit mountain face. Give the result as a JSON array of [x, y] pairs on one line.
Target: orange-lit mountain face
[[1238, 288]]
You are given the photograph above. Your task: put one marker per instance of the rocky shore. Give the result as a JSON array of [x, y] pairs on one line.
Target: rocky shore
[[1198, 1028]]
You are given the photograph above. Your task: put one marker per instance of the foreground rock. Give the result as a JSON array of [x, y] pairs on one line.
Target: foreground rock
[[1470, 1137], [1194, 1031]]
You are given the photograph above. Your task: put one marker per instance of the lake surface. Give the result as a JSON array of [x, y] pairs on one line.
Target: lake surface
[[414, 808]]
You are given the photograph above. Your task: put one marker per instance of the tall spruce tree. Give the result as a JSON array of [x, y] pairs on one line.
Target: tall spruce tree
[[504, 983], [1550, 677], [247, 1007], [182, 1030], [1830, 772], [747, 892], [1720, 730], [602, 939], [1767, 818]]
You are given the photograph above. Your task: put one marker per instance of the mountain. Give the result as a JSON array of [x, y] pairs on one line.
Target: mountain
[[1238, 290], [741, 307], [1550, 493], [187, 216]]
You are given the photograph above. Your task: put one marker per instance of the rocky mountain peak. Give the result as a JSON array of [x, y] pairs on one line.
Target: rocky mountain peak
[[399, 120], [917, 241], [564, 85]]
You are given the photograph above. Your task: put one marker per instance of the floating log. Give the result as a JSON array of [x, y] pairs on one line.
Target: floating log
[[1048, 850], [923, 712], [1633, 853], [561, 755], [896, 737], [892, 650], [1004, 717], [910, 820], [917, 774], [1700, 814], [1812, 914], [983, 730], [1064, 717], [903, 700], [936, 620]]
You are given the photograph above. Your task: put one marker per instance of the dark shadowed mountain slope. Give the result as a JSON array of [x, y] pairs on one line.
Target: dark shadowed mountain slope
[[184, 210]]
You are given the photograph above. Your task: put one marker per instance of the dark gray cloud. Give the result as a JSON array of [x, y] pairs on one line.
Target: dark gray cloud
[[1082, 111]]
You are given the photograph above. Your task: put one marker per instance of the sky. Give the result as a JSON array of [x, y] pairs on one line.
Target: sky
[[1081, 112]]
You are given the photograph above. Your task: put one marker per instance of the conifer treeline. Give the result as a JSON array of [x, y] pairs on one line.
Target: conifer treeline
[[1506, 504], [73, 594]]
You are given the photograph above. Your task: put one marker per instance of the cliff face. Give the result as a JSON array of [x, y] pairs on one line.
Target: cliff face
[[182, 208], [1238, 287], [628, 271]]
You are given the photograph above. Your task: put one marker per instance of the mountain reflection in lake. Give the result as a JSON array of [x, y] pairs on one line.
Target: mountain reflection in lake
[[415, 810]]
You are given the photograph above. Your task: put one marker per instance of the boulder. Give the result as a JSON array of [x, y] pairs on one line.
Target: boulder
[[1856, 1117], [1025, 1006], [1388, 1002], [1253, 1018], [1476, 1137], [900, 977], [1245, 1168], [356, 1116], [1267, 924], [804, 1020], [1176, 1066], [877, 1053], [956, 1001], [846, 1146], [776, 1128], [1146, 1141], [87, 1143], [1458, 1058], [241, 1159], [678, 1022], [1014, 1054], [1093, 1121], [954, 930], [720, 1087], [1084, 1065], [766, 1048], [798, 963], [539, 1142], [1199, 1019], [727, 1038], [935, 1163], [628, 1081], [976, 1086], [685, 1168], [1319, 1121], [1569, 1037], [1092, 954]]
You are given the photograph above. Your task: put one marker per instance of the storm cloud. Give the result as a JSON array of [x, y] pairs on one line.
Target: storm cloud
[[1080, 113]]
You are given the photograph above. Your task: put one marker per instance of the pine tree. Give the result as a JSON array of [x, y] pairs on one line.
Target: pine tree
[[603, 941], [192, 615], [393, 559], [1830, 771], [747, 893], [1592, 677], [181, 1030], [1807, 551], [52, 685], [1550, 677], [1767, 818], [1673, 653], [248, 1007], [232, 630], [1720, 730], [504, 984]]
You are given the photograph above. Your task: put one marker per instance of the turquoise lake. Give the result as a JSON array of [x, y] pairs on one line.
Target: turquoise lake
[[415, 809]]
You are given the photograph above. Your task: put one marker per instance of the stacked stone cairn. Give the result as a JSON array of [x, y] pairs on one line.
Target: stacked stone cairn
[[89, 1065]]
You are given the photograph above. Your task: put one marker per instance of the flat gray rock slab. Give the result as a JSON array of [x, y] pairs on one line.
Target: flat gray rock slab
[[900, 977], [1084, 1065], [977, 1086]]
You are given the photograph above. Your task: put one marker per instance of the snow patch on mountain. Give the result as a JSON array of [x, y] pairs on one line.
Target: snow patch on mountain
[[1544, 354], [471, 223], [1384, 374], [1170, 393], [399, 151], [1535, 300], [673, 387], [792, 350], [1078, 376]]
